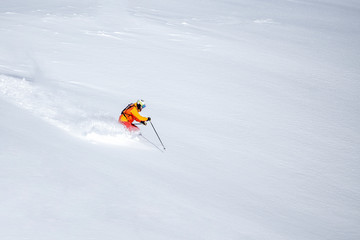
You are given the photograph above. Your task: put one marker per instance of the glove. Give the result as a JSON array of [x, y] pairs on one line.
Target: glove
[[143, 122], [149, 119]]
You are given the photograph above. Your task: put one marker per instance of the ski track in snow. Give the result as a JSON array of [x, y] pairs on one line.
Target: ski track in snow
[[52, 107]]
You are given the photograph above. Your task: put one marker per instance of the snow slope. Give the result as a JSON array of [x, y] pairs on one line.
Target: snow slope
[[257, 103]]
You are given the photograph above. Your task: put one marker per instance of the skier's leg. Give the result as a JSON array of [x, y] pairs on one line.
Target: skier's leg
[[130, 127]]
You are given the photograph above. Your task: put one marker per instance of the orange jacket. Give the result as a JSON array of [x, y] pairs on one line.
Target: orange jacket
[[130, 114]]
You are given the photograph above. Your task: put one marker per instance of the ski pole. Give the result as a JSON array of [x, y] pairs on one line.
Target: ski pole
[[157, 135], [151, 143]]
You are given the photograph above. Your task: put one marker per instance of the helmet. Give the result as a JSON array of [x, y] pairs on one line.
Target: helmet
[[140, 104]]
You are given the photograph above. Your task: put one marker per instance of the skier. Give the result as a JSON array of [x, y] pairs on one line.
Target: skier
[[131, 113]]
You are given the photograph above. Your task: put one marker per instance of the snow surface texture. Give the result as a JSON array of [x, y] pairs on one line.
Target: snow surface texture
[[256, 101]]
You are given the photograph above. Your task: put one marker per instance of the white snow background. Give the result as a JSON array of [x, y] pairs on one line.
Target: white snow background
[[257, 103]]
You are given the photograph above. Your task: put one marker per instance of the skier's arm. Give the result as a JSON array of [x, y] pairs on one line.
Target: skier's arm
[[137, 116]]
